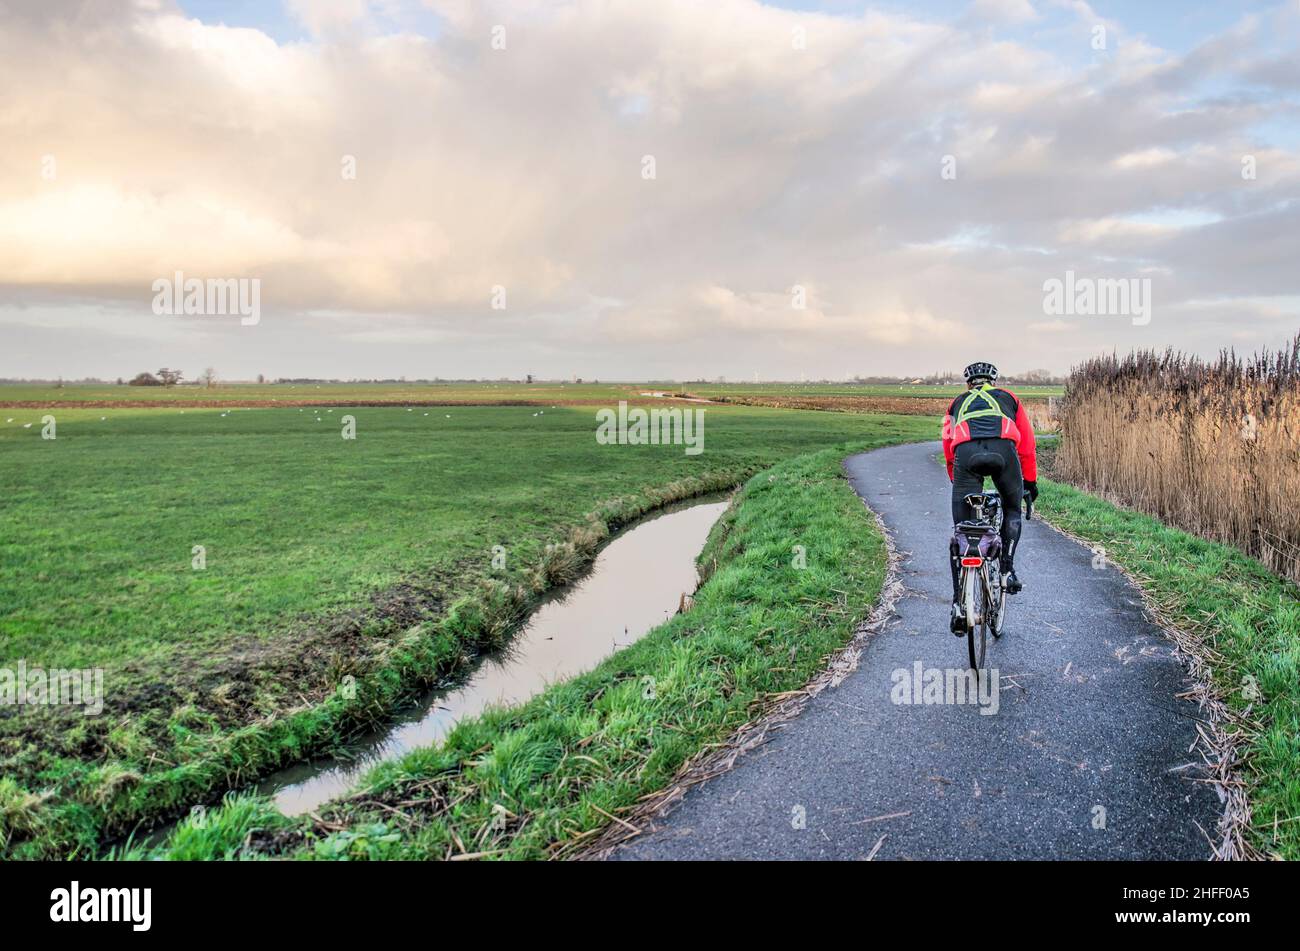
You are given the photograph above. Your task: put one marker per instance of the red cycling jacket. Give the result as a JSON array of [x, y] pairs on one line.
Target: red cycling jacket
[[1011, 423]]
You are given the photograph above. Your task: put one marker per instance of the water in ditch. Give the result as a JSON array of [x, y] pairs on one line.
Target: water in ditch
[[635, 584]]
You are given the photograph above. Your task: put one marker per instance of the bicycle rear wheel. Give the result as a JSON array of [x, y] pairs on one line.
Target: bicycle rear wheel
[[977, 618]]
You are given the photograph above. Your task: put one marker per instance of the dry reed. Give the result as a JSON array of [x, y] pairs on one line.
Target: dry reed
[[1211, 447]]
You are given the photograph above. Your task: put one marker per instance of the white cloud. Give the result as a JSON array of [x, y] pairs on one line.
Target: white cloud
[[326, 17], [184, 145], [1007, 11], [1145, 158], [1051, 326]]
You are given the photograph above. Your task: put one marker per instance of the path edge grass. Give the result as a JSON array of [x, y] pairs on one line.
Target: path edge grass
[[721, 758]]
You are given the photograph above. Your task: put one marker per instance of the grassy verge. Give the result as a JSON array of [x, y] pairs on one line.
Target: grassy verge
[[538, 780], [1248, 620]]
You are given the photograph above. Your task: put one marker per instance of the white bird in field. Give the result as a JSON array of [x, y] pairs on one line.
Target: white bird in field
[[27, 425], [11, 419], [102, 418], [449, 415]]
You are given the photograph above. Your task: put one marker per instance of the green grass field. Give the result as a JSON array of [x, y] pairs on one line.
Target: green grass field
[[324, 392], [590, 747], [324, 557]]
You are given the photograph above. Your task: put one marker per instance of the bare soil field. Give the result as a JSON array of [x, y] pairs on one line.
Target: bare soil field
[[897, 405], [1039, 407]]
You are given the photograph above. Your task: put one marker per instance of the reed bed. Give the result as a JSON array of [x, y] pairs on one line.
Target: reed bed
[[1212, 447]]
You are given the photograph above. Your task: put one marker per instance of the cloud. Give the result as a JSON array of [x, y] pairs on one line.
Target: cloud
[[1051, 326], [328, 17], [1007, 11], [1145, 158], [182, 145]]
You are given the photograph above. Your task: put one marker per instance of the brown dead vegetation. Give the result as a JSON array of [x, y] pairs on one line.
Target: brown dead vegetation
[[1210, 447]]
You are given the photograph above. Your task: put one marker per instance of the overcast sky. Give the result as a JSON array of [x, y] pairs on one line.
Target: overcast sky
[[918, 169]]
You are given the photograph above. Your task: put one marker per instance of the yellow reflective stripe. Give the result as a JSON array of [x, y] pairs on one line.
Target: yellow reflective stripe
[[965, 412], [991, 407]]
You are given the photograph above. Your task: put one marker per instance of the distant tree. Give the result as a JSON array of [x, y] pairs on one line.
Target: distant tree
[[1038, 376], [120, 381], [168, 377], [529, 378], [208, 377], [145, 379], [261, 378]]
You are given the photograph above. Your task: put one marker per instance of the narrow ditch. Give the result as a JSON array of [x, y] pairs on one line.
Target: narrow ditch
[[635, 584]]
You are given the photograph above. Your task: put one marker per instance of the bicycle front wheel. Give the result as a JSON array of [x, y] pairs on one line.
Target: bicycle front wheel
[[998, 597]]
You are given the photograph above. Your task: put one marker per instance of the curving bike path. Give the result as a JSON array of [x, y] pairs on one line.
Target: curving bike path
[[1088, 755]]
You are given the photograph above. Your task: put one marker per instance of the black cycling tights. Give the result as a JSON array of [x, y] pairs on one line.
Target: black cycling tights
[[997, 458]]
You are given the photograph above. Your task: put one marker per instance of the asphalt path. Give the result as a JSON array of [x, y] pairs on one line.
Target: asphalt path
[[1083, 751]]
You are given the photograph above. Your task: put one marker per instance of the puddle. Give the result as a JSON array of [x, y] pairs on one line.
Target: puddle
[[634, 585]]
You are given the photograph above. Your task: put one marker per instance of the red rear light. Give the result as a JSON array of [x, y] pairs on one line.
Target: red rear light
[[972, 562]]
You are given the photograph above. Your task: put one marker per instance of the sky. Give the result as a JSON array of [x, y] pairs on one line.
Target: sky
[[643, 189]]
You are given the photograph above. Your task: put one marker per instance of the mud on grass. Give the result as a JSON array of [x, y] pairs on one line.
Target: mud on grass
[[175, 738]]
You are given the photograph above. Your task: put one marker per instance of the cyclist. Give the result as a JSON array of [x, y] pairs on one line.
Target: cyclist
[[988, 433]]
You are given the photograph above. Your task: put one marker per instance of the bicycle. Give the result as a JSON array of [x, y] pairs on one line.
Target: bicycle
[[978, 543]]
